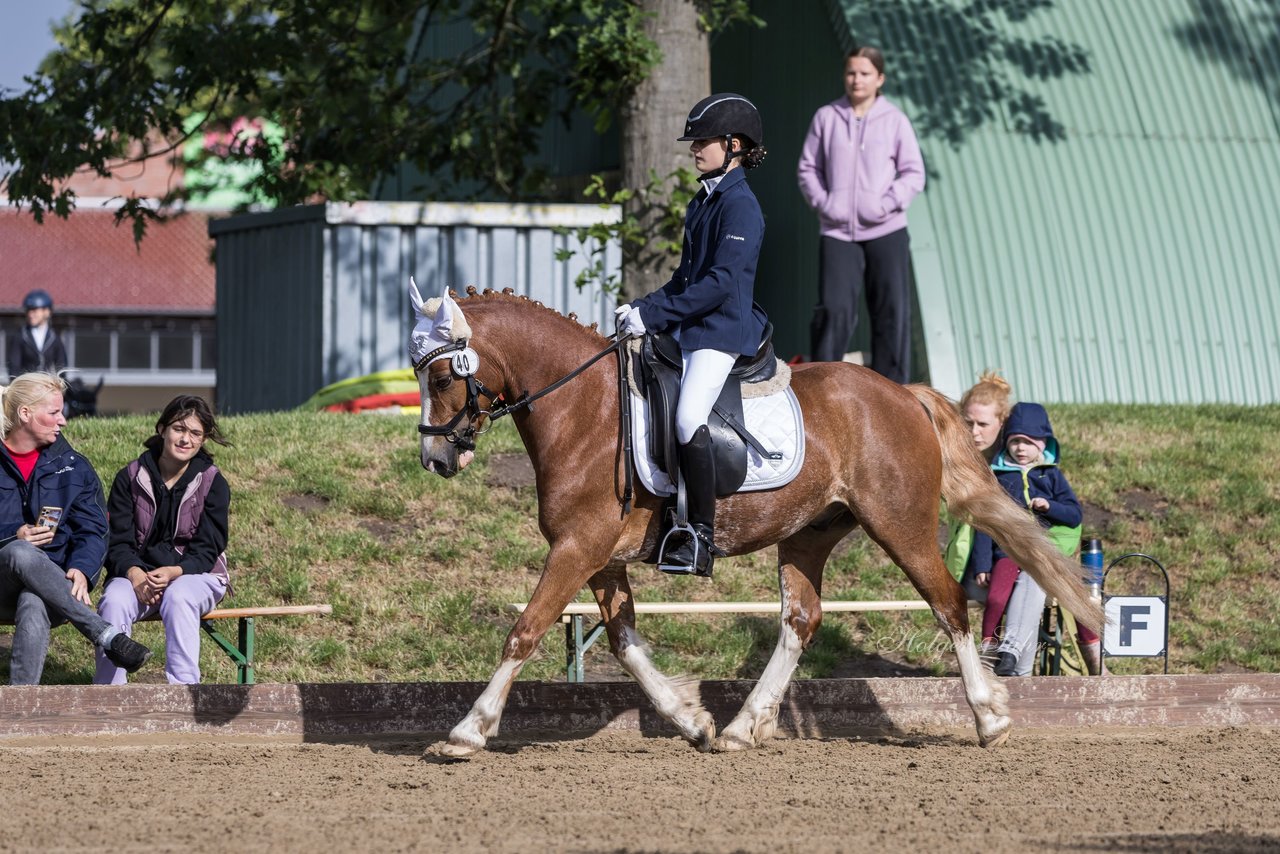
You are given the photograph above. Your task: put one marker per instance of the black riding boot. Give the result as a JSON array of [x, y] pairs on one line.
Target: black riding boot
[[699, 469]]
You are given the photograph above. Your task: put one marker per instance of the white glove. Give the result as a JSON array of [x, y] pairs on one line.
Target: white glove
[[620, 314], [632, 323]]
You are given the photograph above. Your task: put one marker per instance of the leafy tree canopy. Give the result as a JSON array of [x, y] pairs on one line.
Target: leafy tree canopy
[[458, 88]]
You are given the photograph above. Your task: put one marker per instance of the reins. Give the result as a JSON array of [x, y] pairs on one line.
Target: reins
[[526, 399], [465, 439]]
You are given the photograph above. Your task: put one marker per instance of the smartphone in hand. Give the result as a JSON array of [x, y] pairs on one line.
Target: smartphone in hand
[[49, 517]]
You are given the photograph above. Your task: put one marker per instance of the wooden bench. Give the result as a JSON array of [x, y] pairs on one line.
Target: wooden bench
[[578, 640], [242, 651]]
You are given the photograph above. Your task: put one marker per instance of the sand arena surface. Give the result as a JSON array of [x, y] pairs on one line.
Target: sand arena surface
[[1166, 790]]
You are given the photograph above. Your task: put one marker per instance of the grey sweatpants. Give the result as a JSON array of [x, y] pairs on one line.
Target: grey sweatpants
[[36, 595], [1022, 622]]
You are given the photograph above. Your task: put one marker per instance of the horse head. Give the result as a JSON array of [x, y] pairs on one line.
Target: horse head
[[445, 367], [80, 399]]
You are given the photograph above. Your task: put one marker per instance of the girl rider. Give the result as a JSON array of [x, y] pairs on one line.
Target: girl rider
[[707, 306]]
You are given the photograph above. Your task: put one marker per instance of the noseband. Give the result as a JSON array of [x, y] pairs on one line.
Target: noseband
[[463, 365]]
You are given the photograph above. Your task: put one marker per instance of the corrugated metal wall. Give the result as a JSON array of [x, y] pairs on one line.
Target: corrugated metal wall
[[312, 295], [1133, 260]]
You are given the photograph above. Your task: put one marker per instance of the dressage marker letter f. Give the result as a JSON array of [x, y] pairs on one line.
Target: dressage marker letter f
[[1129, 624]]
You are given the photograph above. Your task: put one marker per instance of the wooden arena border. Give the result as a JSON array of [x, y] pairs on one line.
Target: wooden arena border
[[811, 708]]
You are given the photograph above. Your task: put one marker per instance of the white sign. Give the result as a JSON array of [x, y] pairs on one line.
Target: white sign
[[1135, 626]]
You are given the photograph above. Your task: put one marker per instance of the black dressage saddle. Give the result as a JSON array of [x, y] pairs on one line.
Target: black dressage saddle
[[659, 369]]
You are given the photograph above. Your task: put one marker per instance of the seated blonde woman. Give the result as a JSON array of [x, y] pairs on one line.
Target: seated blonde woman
[[52, 532]]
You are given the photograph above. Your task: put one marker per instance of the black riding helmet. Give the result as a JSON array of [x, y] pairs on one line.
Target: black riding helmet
[[726, 115]]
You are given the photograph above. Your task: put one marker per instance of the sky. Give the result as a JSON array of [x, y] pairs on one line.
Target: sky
[[25, 36]]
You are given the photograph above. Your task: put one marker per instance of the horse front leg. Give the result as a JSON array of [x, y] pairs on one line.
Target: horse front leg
[[677, 700], [801, 559], [562, 576]]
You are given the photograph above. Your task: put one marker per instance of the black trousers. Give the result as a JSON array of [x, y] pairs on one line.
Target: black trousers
[[884, 266]]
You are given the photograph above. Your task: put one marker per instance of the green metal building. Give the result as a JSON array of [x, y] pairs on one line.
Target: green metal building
[[1101, 217]]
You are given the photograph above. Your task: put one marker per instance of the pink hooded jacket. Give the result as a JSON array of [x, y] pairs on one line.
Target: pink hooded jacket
[[860, 175]]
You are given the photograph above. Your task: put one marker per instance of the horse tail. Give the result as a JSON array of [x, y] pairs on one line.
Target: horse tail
[[974, 497]]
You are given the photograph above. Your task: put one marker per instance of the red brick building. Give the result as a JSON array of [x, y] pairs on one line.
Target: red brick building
[[140, 317]]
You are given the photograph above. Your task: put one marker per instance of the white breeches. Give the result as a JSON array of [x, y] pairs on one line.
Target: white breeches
[[704, 374]]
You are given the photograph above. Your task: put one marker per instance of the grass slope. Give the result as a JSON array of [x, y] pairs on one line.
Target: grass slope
[[336, 508]]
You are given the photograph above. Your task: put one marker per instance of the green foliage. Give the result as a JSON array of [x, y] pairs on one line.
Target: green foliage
[[717, 15], [459, 88], [612, 55], [662, 201], [420, 570]]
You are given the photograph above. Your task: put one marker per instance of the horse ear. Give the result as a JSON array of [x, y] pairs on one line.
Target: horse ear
[[415, 298], [446, 314], [451, 321]]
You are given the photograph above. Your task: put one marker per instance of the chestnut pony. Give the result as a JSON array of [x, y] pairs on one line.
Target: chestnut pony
[[877, 454]]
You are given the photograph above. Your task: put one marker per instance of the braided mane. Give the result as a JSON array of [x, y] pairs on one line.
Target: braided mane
[[509, 296]]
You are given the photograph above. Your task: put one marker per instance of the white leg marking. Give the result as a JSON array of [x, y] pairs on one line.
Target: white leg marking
[[987, 696], [481, 723], [677, 700], [758, 719]]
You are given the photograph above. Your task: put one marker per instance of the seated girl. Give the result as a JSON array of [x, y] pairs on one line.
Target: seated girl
[[167, 547]]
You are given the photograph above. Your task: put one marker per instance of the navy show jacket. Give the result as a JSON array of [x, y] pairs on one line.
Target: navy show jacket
[[64, 478], [708, 304]]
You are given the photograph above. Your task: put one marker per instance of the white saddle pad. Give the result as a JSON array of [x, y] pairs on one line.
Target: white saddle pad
[[774, 419]]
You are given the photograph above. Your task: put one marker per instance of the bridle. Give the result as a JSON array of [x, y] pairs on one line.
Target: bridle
[[463, 364]]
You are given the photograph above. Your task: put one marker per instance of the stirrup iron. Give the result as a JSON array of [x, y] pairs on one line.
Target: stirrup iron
[[678, 568]]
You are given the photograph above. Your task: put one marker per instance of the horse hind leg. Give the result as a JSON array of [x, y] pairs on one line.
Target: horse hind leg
[[987, 696], [918, 556], [676, 700], [801, 559]]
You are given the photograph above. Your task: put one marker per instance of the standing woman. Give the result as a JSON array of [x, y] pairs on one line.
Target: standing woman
[[52, 532], [859, 169], [707, 305], [167, 551]]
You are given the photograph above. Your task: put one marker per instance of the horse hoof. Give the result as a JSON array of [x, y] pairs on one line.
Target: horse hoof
[[732, 744], [705, 737], [991, 742], [453, 750]]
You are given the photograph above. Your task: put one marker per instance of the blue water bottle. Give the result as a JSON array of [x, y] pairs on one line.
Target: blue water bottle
[[1091, 559]]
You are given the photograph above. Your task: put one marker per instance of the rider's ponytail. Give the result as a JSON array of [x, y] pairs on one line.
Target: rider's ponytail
[[754, 157]]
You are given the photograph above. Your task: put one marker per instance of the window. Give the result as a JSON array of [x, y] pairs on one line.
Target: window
[[175, 350], [208, 349], [134, 349], [92, 349], [135, 344]]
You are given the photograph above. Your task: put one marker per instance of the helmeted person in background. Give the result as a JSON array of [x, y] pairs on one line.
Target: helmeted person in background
[[167, 552], [52, 532], [859, 168], [707, 305], [37, 346]]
